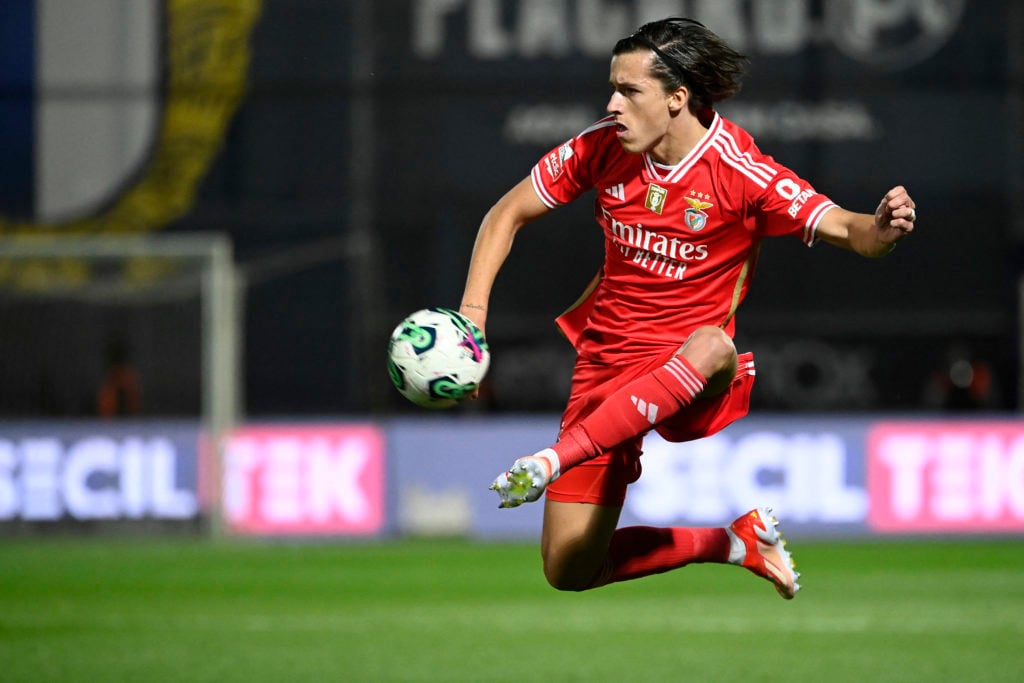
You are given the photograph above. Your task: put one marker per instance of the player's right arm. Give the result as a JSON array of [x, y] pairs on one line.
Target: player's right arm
[[871, 235], [519, 206]]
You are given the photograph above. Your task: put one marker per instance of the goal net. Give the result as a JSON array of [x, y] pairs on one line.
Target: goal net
[[143, 327]]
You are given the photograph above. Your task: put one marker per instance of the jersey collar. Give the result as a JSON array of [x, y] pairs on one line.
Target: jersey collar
[[665, 174]]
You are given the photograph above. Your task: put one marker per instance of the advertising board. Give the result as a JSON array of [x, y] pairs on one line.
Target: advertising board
[[98, 471], [950, 476], [824, 476], [304, 479]]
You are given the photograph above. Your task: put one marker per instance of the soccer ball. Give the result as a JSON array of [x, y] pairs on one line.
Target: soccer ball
[[437, 357]]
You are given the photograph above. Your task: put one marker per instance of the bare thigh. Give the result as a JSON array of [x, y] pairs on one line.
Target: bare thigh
[[574, 542]]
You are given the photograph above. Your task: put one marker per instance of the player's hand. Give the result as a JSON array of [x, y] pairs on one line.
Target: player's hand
[[895, 215], [525, 481], [478, 315]]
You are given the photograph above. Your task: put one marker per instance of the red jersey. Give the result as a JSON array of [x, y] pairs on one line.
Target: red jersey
[[681, 242]]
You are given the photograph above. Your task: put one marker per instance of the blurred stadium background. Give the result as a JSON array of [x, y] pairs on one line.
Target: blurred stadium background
[[213, 212]]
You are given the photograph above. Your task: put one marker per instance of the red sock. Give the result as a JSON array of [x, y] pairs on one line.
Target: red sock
[[642, 550], [630, 411]]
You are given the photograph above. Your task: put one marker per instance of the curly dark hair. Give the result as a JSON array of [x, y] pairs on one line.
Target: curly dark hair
[[689, 54]]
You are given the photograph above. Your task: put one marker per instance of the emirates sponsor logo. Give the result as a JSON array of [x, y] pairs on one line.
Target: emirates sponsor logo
[[661, 254]]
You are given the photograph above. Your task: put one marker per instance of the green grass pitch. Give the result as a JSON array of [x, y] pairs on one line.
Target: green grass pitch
[[189, 610]]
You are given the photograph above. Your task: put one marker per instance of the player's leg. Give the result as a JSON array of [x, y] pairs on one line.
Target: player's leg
[[580, 544], [703, 367], [574, 542], [582, 549]]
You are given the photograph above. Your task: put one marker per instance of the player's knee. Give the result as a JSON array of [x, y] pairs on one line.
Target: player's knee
[[565, 575], [710, 349], [565, 581]]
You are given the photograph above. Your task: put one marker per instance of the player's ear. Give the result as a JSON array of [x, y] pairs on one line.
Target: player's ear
[[678, 100]]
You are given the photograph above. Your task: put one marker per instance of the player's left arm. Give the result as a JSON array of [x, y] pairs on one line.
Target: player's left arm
[[870, 235]]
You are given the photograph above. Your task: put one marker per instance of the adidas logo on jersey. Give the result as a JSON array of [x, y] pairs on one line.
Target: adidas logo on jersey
[[648, 410], [617, 191]]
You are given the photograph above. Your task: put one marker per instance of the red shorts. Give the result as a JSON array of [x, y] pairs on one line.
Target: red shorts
[[603, 480]]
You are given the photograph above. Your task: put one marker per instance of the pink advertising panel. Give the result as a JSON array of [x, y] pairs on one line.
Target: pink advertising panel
[[304, 480], [946, 476]]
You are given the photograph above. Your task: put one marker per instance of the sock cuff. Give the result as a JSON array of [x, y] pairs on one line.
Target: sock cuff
[[678, 374], [552, 458], [573, 447]]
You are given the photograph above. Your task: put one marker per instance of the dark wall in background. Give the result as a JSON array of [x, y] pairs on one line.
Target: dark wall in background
[[457, 104]]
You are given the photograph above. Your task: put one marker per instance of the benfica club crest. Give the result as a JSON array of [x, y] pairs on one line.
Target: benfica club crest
[[695, 217]]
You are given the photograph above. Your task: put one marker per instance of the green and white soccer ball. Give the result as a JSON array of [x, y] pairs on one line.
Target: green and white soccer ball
[[437, 357]]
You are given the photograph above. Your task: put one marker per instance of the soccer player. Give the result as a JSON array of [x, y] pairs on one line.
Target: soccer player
[[683, 198]]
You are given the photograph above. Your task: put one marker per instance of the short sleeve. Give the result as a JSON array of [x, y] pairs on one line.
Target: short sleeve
[[790, 205], [568, 171]]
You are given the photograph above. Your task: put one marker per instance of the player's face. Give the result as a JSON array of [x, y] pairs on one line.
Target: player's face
[[639, 102]]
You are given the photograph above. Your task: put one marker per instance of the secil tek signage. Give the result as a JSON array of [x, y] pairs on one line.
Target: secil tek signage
[[304, 479], [946, 476], [842, 476], [92, 472], [276, 480]]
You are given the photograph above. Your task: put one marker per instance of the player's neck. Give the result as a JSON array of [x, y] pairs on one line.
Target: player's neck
[[683, 135]]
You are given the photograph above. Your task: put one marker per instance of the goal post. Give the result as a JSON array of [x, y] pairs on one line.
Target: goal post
[[173, 300]]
